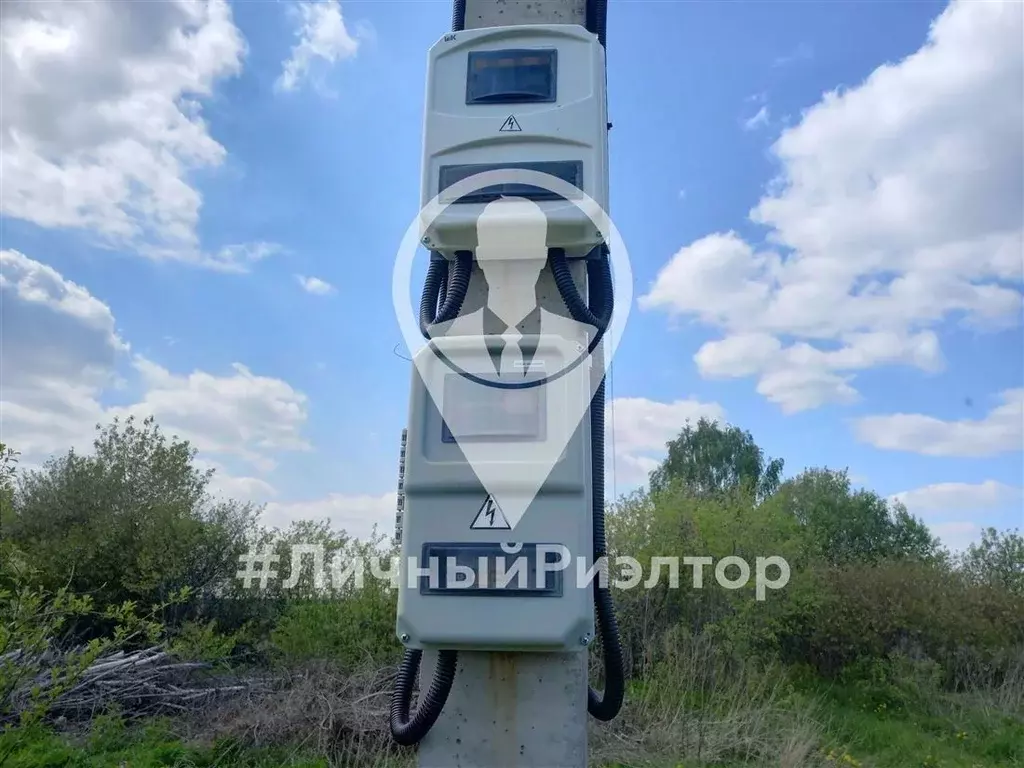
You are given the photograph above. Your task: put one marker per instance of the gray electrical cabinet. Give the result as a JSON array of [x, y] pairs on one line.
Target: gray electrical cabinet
[[453, 525]]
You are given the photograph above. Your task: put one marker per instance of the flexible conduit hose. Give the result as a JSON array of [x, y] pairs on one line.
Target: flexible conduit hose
[[597, 312], [601, 296], [408, 730], [596, 18], [444, 290], [458, 15]]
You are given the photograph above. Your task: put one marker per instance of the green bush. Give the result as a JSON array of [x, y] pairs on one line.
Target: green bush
[[133, 521], [201, 641], [917, 609], [356, 629]]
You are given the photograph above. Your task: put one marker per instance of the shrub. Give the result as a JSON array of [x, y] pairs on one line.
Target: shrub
[[357, 628], [131, 522], [917, 609]]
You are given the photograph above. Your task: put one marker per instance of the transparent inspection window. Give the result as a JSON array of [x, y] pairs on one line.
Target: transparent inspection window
[[512, 77]]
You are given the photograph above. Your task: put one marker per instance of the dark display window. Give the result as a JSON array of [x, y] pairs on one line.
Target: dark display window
[[512, 77]]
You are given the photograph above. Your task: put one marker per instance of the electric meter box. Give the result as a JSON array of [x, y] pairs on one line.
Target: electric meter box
[[530, 97], [453, 523]]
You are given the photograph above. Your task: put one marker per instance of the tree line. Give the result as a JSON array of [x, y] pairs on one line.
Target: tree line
[[126, 546]]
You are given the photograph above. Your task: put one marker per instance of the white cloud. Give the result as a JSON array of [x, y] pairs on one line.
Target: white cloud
[[242, 415], [235, 258], [958, 497], [1001, 430], [759, 119], [637, 431], [801, 376], [58, 349], [323, 35], [899, 206], [101, 123], [315, 285], [356, 515], [60, 353], [956, 536], [936, 503], [242, 488]]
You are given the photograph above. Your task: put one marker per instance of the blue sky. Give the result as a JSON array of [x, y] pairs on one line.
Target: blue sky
[[823, 205]]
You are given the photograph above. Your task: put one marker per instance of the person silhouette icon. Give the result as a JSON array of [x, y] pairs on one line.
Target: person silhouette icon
[[511, 252]]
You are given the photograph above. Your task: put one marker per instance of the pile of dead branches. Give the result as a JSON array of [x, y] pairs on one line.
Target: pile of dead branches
[[330, 710], [142, 683]]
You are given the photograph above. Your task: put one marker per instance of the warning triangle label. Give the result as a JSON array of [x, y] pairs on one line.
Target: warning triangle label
[[510, 124], [490, 516]]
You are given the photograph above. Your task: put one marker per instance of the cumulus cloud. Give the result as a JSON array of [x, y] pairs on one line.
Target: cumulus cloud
[[243, 415], [1001, 430], [322, 34], [899, 206], [225, 485], [959, 497], [356, 515], [936, 503], [315, 285], [637, 431], [59, 349], [102, 124], [956, 536], [60, 353]]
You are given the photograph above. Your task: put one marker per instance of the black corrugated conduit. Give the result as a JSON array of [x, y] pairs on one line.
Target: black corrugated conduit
[[597, 312], [444, 290], [597, 20], [408, 730], [458, 15]]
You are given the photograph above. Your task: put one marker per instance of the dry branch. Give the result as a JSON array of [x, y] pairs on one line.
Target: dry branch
[[146, 682]]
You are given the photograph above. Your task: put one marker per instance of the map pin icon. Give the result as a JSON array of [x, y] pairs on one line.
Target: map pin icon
[[511, 399]]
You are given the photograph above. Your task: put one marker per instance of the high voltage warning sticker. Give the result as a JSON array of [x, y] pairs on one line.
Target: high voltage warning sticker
[[490, 516], [510, 124]]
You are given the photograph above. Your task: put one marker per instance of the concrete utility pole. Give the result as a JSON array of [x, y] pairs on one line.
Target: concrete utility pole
[[524, 709], [513, 710]]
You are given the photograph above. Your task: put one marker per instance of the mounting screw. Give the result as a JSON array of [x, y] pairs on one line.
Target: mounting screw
[[405, 638], [425, 240], [585, 640]]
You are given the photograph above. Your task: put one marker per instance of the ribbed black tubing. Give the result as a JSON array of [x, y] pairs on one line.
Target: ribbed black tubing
[[599, 276], [444, 290], [597, 20], [597, 312], [458, 15], [408, 730]]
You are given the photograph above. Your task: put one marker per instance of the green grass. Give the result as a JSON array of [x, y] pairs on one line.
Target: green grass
[[853, 727], [941, 734], [149, 747]]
